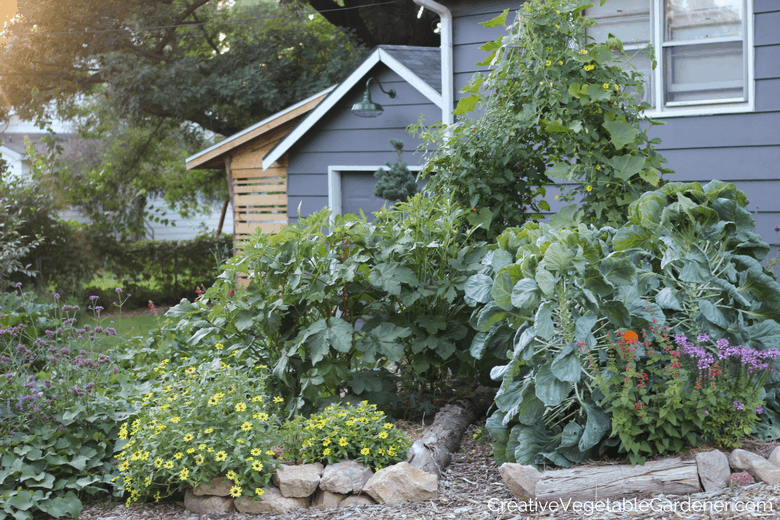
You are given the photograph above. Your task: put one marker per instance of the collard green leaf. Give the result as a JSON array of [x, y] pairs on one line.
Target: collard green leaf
[[478, 288], [567, 366], [666, 299], [501, 259], [764, 335], [490, 315], [478, 345], [712, 314], [502, 290], [557, 259], [531, 441], [583, 327], [526, 294], [596, 426], [523, 338], [546, 281], [549, 389], [543, 322], [530, 411], [567, 216], [631, 237], [618, 270], [571, 435]]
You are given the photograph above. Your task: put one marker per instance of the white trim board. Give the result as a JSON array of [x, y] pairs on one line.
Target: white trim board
[[379, 55], [261, 123], [334, 183]]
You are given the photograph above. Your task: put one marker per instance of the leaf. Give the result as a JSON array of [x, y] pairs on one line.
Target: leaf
[[631, 237], [524, 339], [618, 270], [549, 388], [501, 258], [557, 258], [667, 300], [555, 126], [530, 411], [320, 336], [650, 176], [530, 441], [490, 315], [384, 339], [543, 322], [390, 276], [525, 294], [502, 290], [566, 217], [712, 314], [560, 171], [244, 320], [571, 435], [79, 462], [621, 133], [574, 90], [597, 425], [478, 345], [499, 20], [597, 92], [467, 104], [479, 287], [566, 366], [481, 218], [626, 165]]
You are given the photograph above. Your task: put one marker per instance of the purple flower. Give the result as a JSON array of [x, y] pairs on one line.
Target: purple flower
[[760, 410], [739, 405], [706, 412], [56, 296], [118, 290], [703, 337], [18, 284], [61, 427], [93, 298]]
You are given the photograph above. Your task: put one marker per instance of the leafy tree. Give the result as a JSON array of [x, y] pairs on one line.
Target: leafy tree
[[397, 182], [552, 106]]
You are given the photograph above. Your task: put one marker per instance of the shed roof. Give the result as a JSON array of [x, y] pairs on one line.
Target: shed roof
[[418, 66], [213, 157]]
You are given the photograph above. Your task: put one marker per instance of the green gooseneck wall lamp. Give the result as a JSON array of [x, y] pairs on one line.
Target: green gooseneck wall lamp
[[368, 108]]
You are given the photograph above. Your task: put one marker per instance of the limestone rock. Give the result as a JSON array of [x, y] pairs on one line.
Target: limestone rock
[[207, 504], [756, 465], [521, 480], [774, 457], [298, 481], [357, 499], [327, 500], [272, 502], [714, 470], [345, 477], [401, 483], [219, 486]]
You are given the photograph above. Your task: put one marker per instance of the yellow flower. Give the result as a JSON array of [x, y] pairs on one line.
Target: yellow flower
[[583, 51], [387, 426], [556, 197], [259, 491], [188, 437], [208, 430], [558, 12], [365, 451], [219, 346], [326, 442], [278, 400], [231, 475], [343, 441], [199, 459], [235, 491], [220, 456], [589, 188], [175, 419], [168, 464], [256, 452], [246, 426], [178, 455], [262, 416], [383, 435], [391, 453], [201, 447], [616, 87], [548, 63], [598, 167], [560, 63], [190, 450], [184, 473], [558, 27], [240, 407], [257, 465], [270, 452], [158, 463], [257, 399], [606, 85], [326, 451]]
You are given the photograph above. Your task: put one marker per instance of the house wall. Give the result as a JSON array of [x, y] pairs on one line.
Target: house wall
[[742, 148], [344, 139]]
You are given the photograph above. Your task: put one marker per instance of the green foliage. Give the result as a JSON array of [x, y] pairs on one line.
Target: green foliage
[[349, 433], [200, 421], [61, 403], [396, 182], [163, 271], [349, 311], [549, 108], [688, 258]]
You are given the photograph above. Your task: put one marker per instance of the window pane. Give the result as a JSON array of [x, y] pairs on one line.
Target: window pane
[[629, 20], [704, 72], [641, 63], [701, 19]]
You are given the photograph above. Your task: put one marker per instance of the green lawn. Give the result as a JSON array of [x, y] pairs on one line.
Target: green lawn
[[126, 326]]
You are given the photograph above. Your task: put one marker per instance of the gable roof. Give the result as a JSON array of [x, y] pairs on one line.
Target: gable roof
[[418, 66], [213, 157]]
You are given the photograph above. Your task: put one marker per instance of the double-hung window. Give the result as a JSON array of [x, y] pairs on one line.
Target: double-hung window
[[703, 50]]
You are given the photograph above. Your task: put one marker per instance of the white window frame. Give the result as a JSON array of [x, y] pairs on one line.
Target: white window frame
[[334, 183], [663, 110]]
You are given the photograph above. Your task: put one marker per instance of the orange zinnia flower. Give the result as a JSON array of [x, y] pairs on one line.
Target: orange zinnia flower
[[630, 337]]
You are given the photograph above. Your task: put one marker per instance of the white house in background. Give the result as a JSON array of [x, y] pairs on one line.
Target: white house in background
[[13, 150]]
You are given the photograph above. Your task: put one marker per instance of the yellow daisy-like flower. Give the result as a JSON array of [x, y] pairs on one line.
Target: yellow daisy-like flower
[[326, 451], [220, 456], [262, 416], [235, 491], [208, 430], [246, 426], [256, 451], [257, 399], [589, 188], [558, 12], [201, 447], [560, 63], [168, 464], [583, 51], [231, 475], [158, 463], [219, 346], [259, 491], [278, 400], [188, 437], [184, 473], [343, 441], [383, 435], [178, 455], [270, 452], [391, 453], [365, 451], [175, 419], [556, 197], [199, 459], [326, 442], [548, 63], [387, 426], [210, 450], [598, 167], [616, 86], [213, 401], [606, 85], [350, 422], [190, 450], [257, 465], [240, 407]]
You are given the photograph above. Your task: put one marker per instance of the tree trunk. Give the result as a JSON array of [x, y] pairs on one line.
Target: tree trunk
[[433, 451], [222, 215], [582, 483], [231, 190]]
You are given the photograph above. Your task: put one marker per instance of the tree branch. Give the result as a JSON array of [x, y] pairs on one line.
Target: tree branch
[[206, 34], [169, 32]]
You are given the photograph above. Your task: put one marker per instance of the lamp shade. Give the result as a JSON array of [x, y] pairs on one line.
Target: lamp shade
[[367, 108]]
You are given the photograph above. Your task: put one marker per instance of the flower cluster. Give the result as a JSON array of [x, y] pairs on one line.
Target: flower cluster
[[352, 432], [204, 421]]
